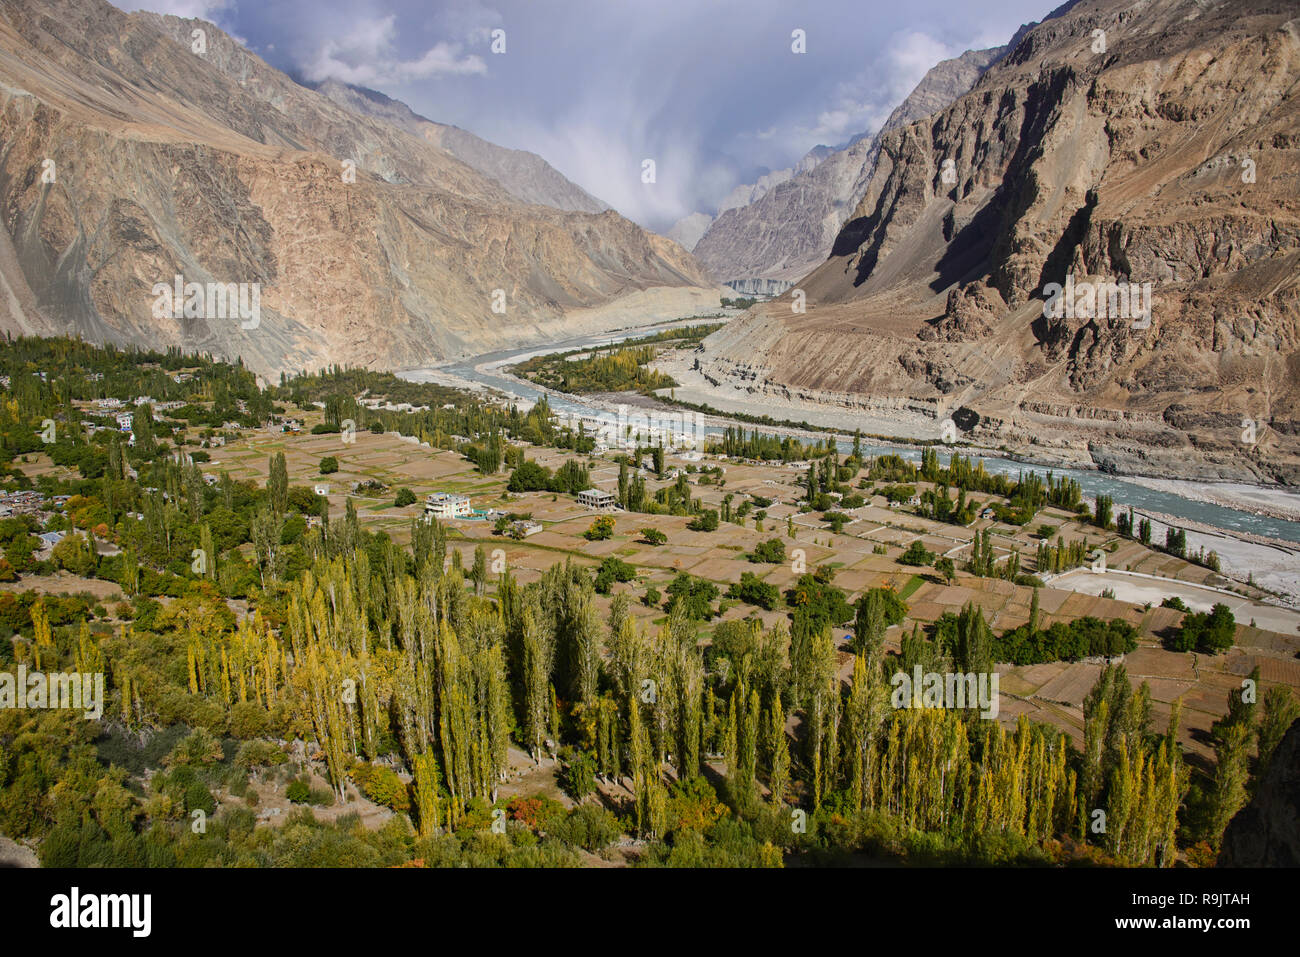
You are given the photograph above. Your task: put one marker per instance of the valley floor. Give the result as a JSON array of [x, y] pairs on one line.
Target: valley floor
[[1270, 562]]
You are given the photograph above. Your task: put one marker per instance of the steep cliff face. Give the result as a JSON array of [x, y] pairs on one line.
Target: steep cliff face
[[1266, 832], [1168, 154], [786, 225], [368, 245]]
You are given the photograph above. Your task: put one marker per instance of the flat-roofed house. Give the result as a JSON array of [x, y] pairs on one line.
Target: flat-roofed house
[[447, 505], [597, 498]]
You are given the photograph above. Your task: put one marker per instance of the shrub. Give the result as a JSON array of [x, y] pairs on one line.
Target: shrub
[[706, 521], [298, 791], [382, 785], [754, 591], [577, 774], [652, 536], [600, 529], [588, 826], [916, 554], [613, 570]]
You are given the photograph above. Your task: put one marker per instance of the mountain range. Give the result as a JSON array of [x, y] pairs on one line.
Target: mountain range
[[139, 148], [771, 233], [1155, 144]]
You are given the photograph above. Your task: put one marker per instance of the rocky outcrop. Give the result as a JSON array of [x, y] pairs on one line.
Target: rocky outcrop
[[784, 226], [969, 314], [1266, 832], [368, 245], [1166, 160]]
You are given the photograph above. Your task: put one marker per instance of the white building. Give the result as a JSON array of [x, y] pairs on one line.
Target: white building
[[447, 505], [597, 498]]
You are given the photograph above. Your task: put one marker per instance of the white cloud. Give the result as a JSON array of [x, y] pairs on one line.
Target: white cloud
[[709, 90], [366, 55], [187, 9], [863, 104], [912, 54]]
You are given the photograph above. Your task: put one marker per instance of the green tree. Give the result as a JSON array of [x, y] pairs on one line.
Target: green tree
[[916, 554], [277, 484]]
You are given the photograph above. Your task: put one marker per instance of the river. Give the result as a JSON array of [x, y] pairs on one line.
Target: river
[[481, 370]]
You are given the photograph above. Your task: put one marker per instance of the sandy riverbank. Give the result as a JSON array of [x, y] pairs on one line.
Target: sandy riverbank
[[1141, 590], [1274, 502], [693, 387], [1272, 565]]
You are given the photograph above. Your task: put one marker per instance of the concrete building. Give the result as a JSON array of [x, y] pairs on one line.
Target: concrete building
[[598, 499], [447, 505]]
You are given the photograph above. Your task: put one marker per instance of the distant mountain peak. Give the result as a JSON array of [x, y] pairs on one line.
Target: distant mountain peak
[[783, 226]]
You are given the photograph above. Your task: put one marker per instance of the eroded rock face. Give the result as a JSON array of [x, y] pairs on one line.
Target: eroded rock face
[[220, 169], [1266, 832], [1170, 159], [784, 227]]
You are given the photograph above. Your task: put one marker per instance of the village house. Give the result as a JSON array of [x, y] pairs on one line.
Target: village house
[[597, 499], [49, 540], [447, 505]]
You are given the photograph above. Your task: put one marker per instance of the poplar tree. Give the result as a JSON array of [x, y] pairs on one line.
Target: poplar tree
[[277, 484], [538, 651], [778, 751]]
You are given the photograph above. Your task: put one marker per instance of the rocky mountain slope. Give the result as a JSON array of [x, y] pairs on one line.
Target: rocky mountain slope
[[130, 156], [1154, 142], [783, 227], [688, 230], [524, 175]]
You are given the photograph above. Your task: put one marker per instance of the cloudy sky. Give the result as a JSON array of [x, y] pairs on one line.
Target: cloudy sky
[[711, 90]]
